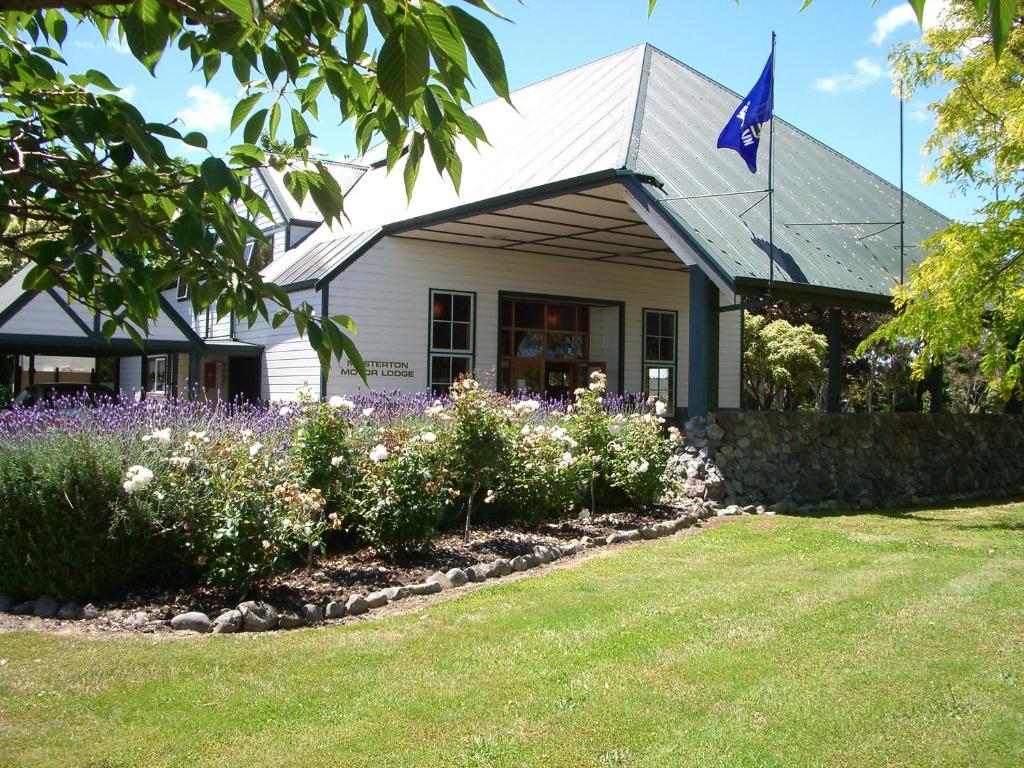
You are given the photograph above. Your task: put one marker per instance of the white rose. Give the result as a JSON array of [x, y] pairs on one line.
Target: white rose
[[368, 411], [337, 460], [660, 407], [379, 453], [255, 448], [285, 411], [428, 437]]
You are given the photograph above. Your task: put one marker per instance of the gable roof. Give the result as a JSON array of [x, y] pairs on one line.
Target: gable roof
[[643, 112]]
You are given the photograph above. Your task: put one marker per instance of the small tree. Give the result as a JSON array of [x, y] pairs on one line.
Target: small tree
[[782, 363]]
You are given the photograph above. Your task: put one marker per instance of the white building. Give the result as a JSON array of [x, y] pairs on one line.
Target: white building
[[600, 229]]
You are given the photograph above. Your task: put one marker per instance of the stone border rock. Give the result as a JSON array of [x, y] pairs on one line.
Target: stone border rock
[[260, 616]]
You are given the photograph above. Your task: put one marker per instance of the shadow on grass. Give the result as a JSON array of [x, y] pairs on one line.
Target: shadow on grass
[[915, 513]]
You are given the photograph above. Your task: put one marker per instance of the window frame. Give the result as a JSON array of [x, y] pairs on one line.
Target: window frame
[[647, 364], [152, 362], [433, 353]]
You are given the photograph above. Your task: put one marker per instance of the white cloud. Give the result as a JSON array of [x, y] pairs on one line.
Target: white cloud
[[865, 72], [918, 113], [127, 92], [903, 14], [113, 44], [207, 112]]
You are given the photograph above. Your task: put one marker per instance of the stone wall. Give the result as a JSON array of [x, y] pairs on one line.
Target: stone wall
[[842, 461]]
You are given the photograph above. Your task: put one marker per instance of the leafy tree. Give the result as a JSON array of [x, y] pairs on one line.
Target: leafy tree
[[968, 294], [79, 159], [782, 363]]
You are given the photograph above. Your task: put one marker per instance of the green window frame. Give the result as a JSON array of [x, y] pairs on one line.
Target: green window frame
[[660, 350], [451, 338]]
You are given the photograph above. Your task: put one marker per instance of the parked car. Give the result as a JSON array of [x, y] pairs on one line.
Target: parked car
[[68, 392]]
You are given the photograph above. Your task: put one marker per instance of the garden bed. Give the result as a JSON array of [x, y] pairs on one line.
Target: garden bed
[[336, 577]]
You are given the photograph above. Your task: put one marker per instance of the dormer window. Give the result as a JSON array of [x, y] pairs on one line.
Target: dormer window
[[182, 290]]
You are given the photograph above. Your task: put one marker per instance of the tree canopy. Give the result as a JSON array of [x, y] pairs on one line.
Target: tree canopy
[[968, 294], [81, 161], [782, 363]]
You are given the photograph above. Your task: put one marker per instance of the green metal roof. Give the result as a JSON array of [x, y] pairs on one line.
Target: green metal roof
[[679, 115]]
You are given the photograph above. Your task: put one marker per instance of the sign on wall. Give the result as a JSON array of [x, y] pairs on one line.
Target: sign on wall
[[394, 369]]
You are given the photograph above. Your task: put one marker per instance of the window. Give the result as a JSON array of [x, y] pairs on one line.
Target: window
[[660, 355], [259, 255], [182, 291], [544, 347], [452, 315], [156, 374]]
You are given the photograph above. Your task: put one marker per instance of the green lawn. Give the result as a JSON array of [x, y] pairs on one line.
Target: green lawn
[[867, 640]]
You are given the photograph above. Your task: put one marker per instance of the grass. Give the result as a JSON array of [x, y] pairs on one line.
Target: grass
[[859, 640]]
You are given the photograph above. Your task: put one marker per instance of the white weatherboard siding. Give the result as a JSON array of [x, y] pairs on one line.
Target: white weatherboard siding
[[130, 376], [386, 293], [288, 361], [43, 316]]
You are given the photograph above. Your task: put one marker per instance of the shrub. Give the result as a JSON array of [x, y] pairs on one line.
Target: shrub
[[237, 504], [68, 529], [480, 444], [402, 493]]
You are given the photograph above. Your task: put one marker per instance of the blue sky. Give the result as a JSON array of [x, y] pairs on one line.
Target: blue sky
[[831, 74]]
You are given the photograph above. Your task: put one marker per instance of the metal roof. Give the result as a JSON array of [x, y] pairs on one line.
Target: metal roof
[[681, 114], [644, 112], [309, 263]]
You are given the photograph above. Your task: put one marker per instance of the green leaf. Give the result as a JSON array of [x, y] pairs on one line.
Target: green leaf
[[146, 29], [243, 108], [918, 6], [39, 278], [195, 139], [356, 34], [484, 47], [404, 65], [254, 126], [275, 119], [1002, 14], [412, 163], [445, 36], [216, 174], [241, 8], [300, 130]]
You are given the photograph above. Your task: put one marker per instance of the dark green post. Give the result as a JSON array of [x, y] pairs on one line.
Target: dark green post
[[835, 360], [703, 363], [193, 374]]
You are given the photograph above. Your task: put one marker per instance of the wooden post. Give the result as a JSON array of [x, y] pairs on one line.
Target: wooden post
[[833, 401], [703, 361]]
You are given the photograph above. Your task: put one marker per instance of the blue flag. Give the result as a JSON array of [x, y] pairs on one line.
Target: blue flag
[[743, 131]]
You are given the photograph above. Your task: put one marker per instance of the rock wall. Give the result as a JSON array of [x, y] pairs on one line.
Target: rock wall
[[792, 461]]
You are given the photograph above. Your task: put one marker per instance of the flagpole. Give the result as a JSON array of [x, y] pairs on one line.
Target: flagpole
[[771, 182], [902, 191]]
